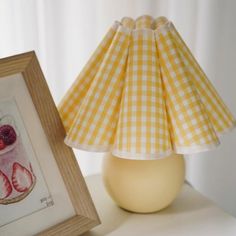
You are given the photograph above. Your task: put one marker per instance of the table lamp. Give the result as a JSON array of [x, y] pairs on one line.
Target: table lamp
[[144, 100]]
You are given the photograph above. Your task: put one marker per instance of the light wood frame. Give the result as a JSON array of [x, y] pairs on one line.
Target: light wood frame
[[86, 216]]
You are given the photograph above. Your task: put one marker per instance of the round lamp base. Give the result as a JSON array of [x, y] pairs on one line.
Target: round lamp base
[[143, 186]]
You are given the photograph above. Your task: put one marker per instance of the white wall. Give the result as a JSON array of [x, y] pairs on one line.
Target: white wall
[[213, 173], [64, 33]]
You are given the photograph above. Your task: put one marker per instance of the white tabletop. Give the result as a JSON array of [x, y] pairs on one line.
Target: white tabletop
[[191, 214]]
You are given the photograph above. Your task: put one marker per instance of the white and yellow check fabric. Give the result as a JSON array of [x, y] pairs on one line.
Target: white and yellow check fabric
[[142, 95]]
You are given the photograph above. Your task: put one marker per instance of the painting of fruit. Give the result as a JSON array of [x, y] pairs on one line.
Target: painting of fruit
[[16, 173], [23, 184], [6, 187], [7, 134]]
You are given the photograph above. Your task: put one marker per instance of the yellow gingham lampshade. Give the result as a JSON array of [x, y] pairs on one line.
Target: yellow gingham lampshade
[[142, 95]]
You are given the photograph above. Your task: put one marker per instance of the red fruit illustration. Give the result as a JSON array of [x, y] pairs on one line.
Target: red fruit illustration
[[21, 178], [7, 134], [2, 144], [5, 186]]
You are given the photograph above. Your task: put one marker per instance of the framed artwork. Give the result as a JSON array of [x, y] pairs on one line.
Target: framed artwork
[[42, 191]]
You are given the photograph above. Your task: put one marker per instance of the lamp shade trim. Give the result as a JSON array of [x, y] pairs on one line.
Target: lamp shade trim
[[142, 95], [87, 147], [196, 149], [143, 156]]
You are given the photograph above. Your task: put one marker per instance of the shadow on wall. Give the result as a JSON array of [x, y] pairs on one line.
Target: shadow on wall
[[213, 173]]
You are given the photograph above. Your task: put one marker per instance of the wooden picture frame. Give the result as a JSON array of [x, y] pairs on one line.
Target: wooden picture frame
[[85, 216]]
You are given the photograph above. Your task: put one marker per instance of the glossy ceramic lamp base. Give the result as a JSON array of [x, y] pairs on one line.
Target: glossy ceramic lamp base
[[143, 186]]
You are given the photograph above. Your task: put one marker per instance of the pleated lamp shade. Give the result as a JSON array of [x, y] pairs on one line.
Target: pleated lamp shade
[[142, 95]]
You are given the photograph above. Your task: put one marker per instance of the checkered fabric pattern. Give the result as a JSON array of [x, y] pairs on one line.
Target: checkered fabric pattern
[[142, 95], [144, 22], [95, 120], [142, 126], [220, 116], [71, 102], [189, 123]]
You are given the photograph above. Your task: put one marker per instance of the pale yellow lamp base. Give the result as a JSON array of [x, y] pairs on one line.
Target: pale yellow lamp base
[[143, 186]]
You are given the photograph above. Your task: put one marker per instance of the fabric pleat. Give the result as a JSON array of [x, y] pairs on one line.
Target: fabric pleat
[[220, 116], [190, 125], [94, 124], [142, 126], [142, 95], [71, 102]]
